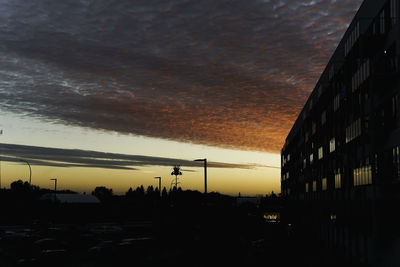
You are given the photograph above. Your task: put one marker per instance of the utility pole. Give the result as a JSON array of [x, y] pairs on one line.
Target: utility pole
[[159, 183], [55, 189], [205, 173]]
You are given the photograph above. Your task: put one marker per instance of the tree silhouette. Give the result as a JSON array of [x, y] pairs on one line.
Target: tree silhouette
[[103, 193], [150, 190], [164, 193], [22, 187]]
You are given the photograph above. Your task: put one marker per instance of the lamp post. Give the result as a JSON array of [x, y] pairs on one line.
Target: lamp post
[[55, 188], [205, 173], [30, 170], [159, 183]]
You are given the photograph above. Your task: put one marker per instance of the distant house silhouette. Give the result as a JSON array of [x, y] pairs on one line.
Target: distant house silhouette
[[71, 198], [240, 201]]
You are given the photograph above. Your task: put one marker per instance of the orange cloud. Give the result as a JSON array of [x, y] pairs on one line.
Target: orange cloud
[[231, 74]]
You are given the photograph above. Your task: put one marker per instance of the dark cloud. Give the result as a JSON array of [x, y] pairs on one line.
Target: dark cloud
[[56, 157], [225, 73]]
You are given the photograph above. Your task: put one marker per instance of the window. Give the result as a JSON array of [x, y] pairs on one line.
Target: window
[[324, 184], [352, 38], [314, 128], [323, 118], [331, 72], [353, 130], [396, 162], [314, 186], [320, 152], [360, 75], [307, 187], [362, 175], [311, 158], [393, 11], [382, 22], [319, 90], [338, 179], [332, 145], [304, 163], [336, 102], [394, 105]]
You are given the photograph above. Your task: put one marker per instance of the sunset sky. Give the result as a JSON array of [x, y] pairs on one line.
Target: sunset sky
[[126, 89]]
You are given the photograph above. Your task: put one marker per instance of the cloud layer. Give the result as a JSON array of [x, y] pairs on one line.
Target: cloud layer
[[222, 73], [56, 157]]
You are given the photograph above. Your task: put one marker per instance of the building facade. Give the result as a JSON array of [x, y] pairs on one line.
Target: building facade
[[341, 160]]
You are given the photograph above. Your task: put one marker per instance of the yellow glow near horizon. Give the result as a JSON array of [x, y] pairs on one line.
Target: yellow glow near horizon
[[226, 181]]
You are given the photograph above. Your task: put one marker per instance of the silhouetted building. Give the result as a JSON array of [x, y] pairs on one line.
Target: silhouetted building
[[71, 198], [341, 160]]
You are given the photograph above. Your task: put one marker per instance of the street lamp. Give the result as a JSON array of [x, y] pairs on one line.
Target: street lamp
[[55, 188], [30, 170], [205, 173], [159, 183]]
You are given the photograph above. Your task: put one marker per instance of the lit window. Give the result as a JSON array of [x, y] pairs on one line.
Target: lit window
[[362, 175], [332, 145], [304, 163], [324, 184], [314, 186], [320, 153], [307, 187], [311, 158], [338, 179]]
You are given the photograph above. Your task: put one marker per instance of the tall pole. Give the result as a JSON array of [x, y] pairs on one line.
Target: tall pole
[[55, 189], [30, 170], [205, 176], [205, 173], [159, 183]]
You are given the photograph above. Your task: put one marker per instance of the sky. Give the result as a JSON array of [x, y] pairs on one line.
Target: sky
[[115, 92]]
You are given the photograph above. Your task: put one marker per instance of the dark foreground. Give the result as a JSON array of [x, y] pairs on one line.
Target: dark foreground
[[175, 236], [183, 227]]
